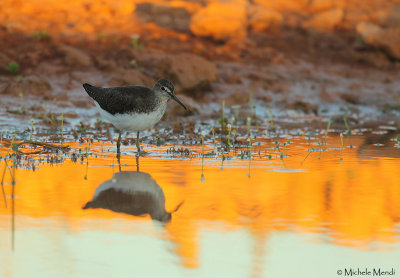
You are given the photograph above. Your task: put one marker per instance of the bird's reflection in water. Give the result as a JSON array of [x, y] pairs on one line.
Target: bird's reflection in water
[[132, 192]]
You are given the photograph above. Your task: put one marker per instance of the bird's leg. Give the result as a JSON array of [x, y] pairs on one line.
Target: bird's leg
[[137, 162], [138, 143], [119, 145]]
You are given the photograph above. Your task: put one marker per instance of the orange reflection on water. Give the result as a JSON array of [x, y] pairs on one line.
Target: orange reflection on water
[[353, 203]]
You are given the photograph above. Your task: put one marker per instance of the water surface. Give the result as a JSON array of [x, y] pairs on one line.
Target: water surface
[[306, 210]]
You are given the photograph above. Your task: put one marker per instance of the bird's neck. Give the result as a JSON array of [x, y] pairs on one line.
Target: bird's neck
[[162, 99]]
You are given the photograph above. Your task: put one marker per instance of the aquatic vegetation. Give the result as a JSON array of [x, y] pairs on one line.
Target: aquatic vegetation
[[21, 109], [5, 159], [320, 149], [235, 109], [21, 99], [31, 131], [249, 155], [223, 121], [341, 147], [213, 135], [233, 139], [281, 155], [222, 161], [202, 158], [327, 128], [228, 138], [87, 160], [62, 127], [348, 132]]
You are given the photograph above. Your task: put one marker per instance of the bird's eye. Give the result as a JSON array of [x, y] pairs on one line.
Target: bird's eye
[[163, 88]]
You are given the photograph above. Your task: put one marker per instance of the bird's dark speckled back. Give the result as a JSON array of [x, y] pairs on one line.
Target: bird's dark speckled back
[[127, 99]]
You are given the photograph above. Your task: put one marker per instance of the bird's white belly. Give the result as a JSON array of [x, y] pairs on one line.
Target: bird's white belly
[[133, 121]]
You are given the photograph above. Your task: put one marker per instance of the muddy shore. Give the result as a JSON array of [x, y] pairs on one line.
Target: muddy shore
[[298, 77]]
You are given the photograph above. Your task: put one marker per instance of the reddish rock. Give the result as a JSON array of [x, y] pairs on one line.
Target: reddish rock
[[188, 72], [317, 6], [325, 21], [221, 20], [386, 39], [352, 98], [175, 18], [261, 18], [30, 85]]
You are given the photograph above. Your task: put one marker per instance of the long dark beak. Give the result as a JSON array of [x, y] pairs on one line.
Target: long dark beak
[[178, 101], [177, 207]]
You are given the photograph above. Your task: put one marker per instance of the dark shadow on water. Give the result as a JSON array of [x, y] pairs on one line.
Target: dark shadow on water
[[132, 192]]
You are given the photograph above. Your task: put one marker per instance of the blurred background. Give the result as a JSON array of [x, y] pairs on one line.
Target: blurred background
[[324, 58]]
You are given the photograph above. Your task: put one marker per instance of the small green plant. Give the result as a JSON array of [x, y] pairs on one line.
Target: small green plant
[[327, 128], [50, 118], [160, 141], [21, 110], [348, 132], [236, 111], [13, 67], [228, 139], [101, 36], [233, 139], [248, 125], [223, 120], [41, 35], [213, 134], [21, 101], [136, 44]]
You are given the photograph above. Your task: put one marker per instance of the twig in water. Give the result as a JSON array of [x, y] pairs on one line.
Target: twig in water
[[202, 158], [341, 149], [15, 146], [249, 152], [62, 128], [87, 162]]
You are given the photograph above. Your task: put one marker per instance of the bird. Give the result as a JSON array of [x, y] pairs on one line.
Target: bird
[[132, 192], [133, 108]]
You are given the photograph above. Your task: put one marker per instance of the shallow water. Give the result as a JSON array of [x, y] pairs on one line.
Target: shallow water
[[309, 211]]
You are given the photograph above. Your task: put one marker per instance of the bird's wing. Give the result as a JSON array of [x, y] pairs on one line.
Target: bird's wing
[[119, 100]]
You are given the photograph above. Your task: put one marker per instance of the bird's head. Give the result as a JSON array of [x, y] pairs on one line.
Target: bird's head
[[166, 88]]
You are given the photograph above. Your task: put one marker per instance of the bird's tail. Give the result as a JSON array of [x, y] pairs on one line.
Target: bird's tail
[[89, 89]]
